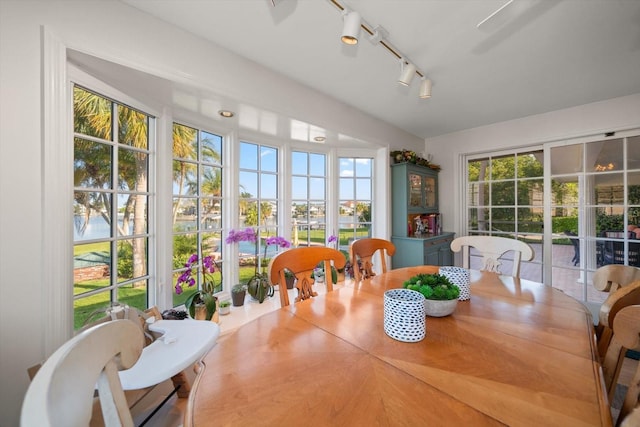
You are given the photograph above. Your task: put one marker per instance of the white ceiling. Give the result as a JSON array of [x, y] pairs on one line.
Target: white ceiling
[[533, 57]]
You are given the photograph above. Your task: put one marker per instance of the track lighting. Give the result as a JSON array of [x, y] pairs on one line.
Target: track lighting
[[379, 36], [351, 27], [425, 88], [407, 71]]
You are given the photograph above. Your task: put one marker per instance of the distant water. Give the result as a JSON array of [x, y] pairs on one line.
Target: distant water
[[97, 228]]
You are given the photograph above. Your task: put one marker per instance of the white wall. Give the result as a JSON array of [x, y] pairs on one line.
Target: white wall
[[590, 119], [116, 32]]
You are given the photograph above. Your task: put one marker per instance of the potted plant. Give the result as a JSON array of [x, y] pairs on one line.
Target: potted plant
[[259, 286], [238, 293], [441, 296], [290, 278], [202, 304], [318, 273], [225, 307]]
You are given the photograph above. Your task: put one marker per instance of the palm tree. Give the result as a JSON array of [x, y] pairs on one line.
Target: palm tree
[[133, 130], [93, 116], [243, 203], [266, 209], [183, 148]]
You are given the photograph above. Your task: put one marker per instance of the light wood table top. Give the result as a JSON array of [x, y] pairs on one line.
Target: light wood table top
[[517, 353]]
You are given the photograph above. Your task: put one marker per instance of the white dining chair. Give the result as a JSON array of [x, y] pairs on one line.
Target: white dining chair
[[62, 391], [492, 249]]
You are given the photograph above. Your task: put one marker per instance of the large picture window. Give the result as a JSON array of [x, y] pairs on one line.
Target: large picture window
[[356, 186], [112, 152], [258, 202], [308, 194], [197, 203]]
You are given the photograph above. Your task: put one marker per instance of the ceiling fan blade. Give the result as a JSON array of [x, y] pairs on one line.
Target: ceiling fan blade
[[494, 13]]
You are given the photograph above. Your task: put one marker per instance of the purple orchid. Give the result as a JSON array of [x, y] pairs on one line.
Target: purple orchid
[[279, 241], [186, 278], [246, 235]]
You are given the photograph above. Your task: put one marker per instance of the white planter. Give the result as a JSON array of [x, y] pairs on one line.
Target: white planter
[[404, 318], [439, 308], [458, 276]]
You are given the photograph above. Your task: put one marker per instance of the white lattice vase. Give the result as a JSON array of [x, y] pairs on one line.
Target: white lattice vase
[[458, 276], [404, 316]]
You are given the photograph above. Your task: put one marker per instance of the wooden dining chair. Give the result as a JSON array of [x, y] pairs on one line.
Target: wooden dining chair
[[610, 278], [626, 327], [302, 263], [492, 248], [62, 391], [632, 419], [610, 350], [361, 252]]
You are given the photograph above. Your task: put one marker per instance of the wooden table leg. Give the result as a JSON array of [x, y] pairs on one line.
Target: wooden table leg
[[181, 382]]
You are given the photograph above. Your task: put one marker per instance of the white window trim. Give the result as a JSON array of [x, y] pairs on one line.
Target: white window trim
[[57, 196]]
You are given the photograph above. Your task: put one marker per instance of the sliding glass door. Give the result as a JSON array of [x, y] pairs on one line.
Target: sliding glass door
[[595, 203], [576, 202]]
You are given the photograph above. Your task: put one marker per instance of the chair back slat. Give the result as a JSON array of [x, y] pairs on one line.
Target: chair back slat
[[613, 276], [361, 253], [492, 248], [302, 262]]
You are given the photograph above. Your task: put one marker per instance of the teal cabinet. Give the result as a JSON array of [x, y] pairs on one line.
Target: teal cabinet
[[414, 193], [430, 250], [414, 196]]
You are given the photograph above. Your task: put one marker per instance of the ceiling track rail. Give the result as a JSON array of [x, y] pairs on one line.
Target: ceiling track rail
[[385, 43]]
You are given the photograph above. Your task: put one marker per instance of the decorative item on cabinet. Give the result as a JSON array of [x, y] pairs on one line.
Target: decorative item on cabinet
[[425, 225]]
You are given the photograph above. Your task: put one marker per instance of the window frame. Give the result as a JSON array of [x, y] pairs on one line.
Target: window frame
[[354, 178], [200, 164], [114, 190]]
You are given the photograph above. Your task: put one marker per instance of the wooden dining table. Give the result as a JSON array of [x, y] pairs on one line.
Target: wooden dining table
[[517, 353]]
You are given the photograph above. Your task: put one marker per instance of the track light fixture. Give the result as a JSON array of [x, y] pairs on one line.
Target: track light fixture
[[407, 71], [378, 35], [351, 27], [425, 88]]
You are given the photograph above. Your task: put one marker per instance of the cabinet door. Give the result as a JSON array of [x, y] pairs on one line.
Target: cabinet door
[[445, 255], [415, 190], [437, 251], [431, 256], [429, 191]]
